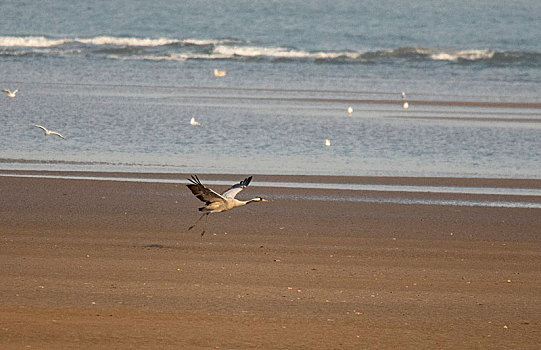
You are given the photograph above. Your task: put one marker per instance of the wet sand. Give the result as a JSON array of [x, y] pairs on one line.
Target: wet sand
[[93, 264]]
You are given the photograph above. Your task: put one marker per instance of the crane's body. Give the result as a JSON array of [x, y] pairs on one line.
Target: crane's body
[[218, 207]]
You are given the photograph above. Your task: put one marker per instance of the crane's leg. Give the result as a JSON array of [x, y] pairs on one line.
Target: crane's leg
[[205, 224], [195, 223]]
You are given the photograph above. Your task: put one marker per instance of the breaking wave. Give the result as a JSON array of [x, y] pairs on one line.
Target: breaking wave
[[30, 41], [279, 52], [133, 48], [41, 41], [469, 55]]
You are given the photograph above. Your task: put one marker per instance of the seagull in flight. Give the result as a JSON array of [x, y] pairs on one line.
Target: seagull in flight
[[216, 203], [48, 132], [10, 94], [194, 122]]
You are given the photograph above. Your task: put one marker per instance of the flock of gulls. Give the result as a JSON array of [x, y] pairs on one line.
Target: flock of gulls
[[405, 105], [193, 122], [46, 131], [214, 202]]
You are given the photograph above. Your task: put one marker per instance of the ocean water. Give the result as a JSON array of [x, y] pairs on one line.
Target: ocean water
[[121, 80]]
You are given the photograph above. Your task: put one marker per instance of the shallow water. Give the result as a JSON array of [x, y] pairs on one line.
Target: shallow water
[[121, 80], [355, 191]]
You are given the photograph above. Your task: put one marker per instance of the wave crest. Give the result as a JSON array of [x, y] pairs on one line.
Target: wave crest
[[158, 49], [42, 41], [30, 41], [279, 52], [467, 55], [119, 41]]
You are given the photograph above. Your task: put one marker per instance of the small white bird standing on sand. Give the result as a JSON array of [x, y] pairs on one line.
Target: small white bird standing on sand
[[350, 110], [406, 105], [327, 142], [403, 95], [10, 94], [194, 122], [216, 203], [48, 132], [219, 73]]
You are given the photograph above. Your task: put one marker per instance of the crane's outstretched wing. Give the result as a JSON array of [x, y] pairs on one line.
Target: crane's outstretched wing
[[203, 193], [232, 192]]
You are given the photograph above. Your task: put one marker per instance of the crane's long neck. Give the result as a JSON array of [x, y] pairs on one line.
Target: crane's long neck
[[239, 203], [253, 200]]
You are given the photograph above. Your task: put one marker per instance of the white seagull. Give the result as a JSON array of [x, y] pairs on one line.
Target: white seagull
[[350, 110], [405, 104], [327, 142], [10, 94], [216, 203], [219, 73], [48, 132], [194, 122]]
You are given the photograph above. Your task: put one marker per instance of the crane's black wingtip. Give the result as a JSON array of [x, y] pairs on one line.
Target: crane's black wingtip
[[194, 180], [247, 181]]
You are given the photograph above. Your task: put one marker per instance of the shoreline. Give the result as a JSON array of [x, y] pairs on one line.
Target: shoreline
[[329, 179]]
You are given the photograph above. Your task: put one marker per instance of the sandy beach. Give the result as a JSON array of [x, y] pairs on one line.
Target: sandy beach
[[109, 264]]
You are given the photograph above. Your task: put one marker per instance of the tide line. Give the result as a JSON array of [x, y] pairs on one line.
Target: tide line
[[399, 200], [505, 191]]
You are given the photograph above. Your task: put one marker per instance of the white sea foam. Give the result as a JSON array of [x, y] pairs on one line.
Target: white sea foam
[[277, 52], [209, 42], [169, 57], [200, 42], [30, 41], [255, 51], [41, 41], [111, 40], [229, 48], [469, 55], [227, 52]]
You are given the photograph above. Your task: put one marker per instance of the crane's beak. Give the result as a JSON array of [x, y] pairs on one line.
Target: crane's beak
[[264, 200]]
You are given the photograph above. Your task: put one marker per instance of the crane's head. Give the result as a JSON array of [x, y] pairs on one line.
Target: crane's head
[[258, 199]]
